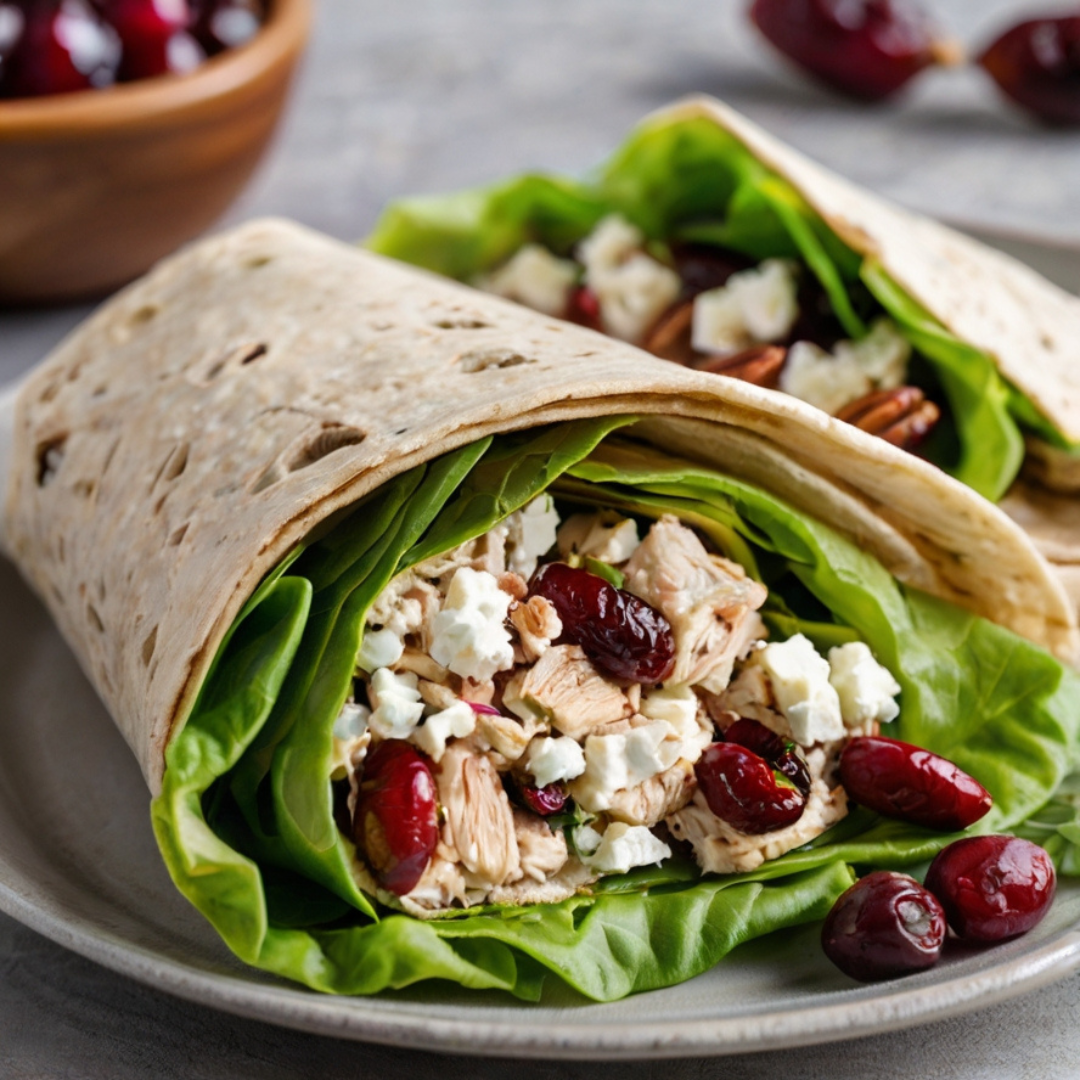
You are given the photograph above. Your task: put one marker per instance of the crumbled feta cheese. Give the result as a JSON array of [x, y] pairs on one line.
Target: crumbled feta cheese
[[398, 707], [625, 846], [866, 688], [634, 289], [531, 532], [534, 277], [468, 635], [379, 649], [554, 759], [755, 306], [615, 762], [457, 722], [606, 536], [799, 675], [830, 381], [825, 381], [586, 839], [351, 722], [883, 354]]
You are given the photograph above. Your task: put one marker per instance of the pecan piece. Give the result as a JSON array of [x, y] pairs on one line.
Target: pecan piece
[[670, 336], [760, 364], [903, 417]]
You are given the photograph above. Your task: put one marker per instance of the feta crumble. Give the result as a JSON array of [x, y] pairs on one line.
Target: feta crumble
[[605, 536], [624, 847], [617, 762], [554, 759], [398, 707], [755, 306], [531, 532], [634, 289], [379, 649], [468, 635], [456, 722], [799, 675], [866, 688], [534, 277]]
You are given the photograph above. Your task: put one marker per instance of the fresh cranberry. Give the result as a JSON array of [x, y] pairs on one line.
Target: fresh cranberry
[[744, 791], [395, 823], [583, 308], [865, 48], [1037, 64], [154, 37], [620, 633], [64, 46], [899, 780], [225, 24], [779, 753], [885, 925], [544, 801], [992, 887]]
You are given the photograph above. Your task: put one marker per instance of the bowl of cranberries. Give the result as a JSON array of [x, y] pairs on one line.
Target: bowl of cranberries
[[127, 127]]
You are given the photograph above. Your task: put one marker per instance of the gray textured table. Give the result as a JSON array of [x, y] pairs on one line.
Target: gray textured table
[[436, 96]]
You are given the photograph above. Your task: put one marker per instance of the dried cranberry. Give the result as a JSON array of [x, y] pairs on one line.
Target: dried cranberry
[[702, 267], [744, 791], [583, 308], [64, 46], [865, 48], [395, 823], [899, 780], [544, 801], [885, 925], [779, 753], [992, 887], [225, 24], [619, 632], [11, 28], [1037, 64]]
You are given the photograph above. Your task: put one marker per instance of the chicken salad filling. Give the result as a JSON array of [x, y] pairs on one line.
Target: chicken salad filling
[[538, 707]]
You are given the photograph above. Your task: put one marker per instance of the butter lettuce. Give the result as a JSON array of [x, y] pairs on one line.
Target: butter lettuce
[[245, 819], [688, 180]]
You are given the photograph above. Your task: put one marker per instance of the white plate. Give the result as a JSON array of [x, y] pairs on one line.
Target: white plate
[[78, 864]]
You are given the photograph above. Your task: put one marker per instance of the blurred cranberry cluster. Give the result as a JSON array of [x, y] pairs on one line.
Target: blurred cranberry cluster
[[57, 46], [869, 49]]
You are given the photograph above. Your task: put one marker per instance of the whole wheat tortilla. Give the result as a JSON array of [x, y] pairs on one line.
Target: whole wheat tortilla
[[175, 447]]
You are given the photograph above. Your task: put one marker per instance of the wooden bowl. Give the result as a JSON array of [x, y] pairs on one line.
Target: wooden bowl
[[97, 185]]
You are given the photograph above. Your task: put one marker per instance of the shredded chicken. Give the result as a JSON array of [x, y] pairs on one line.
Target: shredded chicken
[[478, 815], [507, 735], [707, 599], [653, 799], [564, 687], [543, 853]]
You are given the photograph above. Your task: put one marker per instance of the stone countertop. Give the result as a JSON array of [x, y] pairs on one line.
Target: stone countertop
[[438, 96]]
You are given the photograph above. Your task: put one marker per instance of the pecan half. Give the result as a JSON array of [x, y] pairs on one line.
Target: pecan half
[[903, 417], [760, 364]]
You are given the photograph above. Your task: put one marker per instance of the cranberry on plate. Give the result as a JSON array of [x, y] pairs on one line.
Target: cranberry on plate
[[885, 925], [992, 887]]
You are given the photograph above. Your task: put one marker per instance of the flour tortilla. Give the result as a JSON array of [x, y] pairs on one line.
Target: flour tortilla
[[1028, 325], [205, 420]]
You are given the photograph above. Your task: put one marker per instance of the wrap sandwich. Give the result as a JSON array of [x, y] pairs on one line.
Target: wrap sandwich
[[421, 612], [705, 240]]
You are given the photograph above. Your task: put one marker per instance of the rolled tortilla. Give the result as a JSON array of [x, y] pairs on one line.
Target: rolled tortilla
[[176, 446], [1026, 327], [172, 454]]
